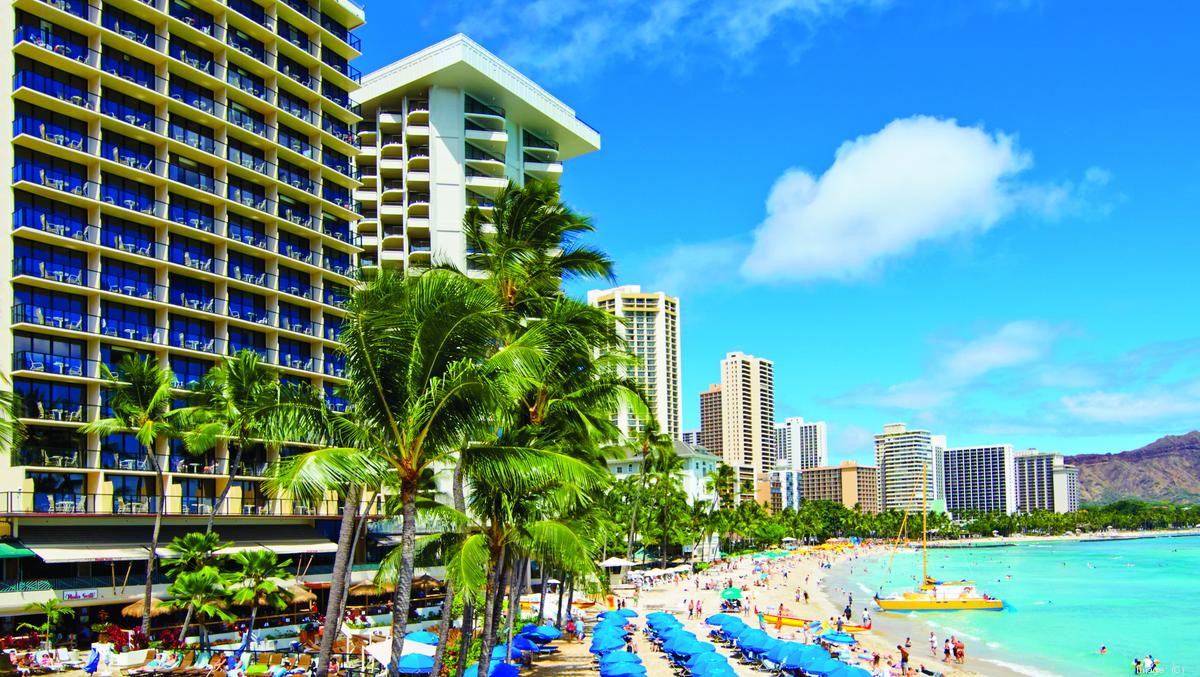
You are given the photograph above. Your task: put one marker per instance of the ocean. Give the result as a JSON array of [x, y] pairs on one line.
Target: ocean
[[1063, 601]]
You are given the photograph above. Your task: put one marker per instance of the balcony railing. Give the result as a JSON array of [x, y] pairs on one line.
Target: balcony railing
[[50, 270], [53, 317], [78, 504], [252, 11], [132, 288], [53, 223], [55, 43], [134, 331], [79, 8], [65, 411], [29, 360], [207, 344], [129, 114], [54, 88]]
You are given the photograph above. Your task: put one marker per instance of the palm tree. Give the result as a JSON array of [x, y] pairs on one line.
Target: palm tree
[[193, 552], [204, 592], [651, 443], [257, 581], [667, 467], [527, 244], [722, 482], [140, 399], [54, 611], [237, 400]]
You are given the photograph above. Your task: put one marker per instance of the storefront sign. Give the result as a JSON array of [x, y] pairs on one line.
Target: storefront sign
[[77, 595]]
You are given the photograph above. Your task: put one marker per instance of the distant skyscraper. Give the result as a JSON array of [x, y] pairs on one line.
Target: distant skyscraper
[[710, 419], [902, 456], [849, 484], [741, 412], [1045, 482], [692, 437], [800, 444], [651, 332], [981, 479]]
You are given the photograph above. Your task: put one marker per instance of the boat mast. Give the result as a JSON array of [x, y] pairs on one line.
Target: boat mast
[[924, 525]]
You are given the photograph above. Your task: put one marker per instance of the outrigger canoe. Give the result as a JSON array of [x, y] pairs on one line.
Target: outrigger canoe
[[773, 619]]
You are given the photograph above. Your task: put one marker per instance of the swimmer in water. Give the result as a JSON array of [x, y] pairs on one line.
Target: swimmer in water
[[1103, 650]]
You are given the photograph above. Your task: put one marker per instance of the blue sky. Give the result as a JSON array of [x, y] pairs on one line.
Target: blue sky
[[980, 218]]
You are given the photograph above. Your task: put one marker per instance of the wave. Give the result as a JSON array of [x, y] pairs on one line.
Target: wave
[[1021, 669]]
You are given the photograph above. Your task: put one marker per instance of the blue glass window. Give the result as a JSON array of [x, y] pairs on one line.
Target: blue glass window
[[50, 354], [50, 126], [196, 495], [337, 261], [128, 68], [123, 107], [297, 177], [189, 371], [58, 492], [247, 156], [294, 70], [129, 152], [133, 494], [333, 327], [43, 444], [48, 262], [248, 231], [335, 363], [245, 44], [245, 339], [192, 94], [296, 212], [51, 309], [192, 133], [49, 400], [198, 215], [128, 25], [191, 173], [295, 318], [248, 194], [122, 277], [293, 35], [296, 141], [336, 294], [127, 193], [52, 82], [188, 14], [51, 216], [336, 402], [337, 128], [191, 293], [339, 228], [51, 36], [191, 253], [189, 332], [126, 321], [338, 95], [112, 356], [336, 194], [127, 236], [49, 171], [247, 268], [294, 282], [122, 450], [295, 354], [192, 54], [246, 306], [249, 120], [296, 106], [294, 246]]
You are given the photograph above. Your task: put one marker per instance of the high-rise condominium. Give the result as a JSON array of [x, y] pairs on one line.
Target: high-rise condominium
[[737, 421], [979, 479], [850, 484], [650, 327], [691, 437], [800, 444], [181, 190], [1045, 482], [442, 129], [909, 463]]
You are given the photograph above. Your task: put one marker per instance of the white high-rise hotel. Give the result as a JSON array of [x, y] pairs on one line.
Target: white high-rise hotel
[[800, 444], [447, 127], [650, 328], [903, 456], [980, 479], [1045, 482]]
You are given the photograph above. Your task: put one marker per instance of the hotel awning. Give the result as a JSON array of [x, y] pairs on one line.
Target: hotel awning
[[13, 549], [123, 543]]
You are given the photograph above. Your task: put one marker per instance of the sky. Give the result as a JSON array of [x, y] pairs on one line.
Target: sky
[[979, 218]]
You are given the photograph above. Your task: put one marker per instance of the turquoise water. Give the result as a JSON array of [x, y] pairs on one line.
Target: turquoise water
[[1063, 601]]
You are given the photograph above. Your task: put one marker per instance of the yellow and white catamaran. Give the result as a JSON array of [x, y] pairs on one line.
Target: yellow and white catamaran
[[932, 594]]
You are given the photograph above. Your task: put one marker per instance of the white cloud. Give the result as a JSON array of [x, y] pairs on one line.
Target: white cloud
[[1156, 403], [1018, 343], [917, 180], [561, 40], [691, 266]]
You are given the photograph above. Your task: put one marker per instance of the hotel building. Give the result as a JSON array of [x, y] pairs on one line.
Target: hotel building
[[979, 479], [909, 463], [800, 444], [650, 327], [691, 437], [1045, 482], [442, 129], [181, 188], [850, 484], [737, 422]]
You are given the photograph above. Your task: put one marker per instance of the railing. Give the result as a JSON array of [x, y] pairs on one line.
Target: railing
[[52, 178], [299, 325], [297, 145], [49, 457], [252, 11], [201, 62], [255, 315], [49, 270], [206, 344], [29, 360], [200, 302], [298, 218], [133, 245], [130, 73], [246, 236], [201, 103], [418, 198], [132, 288], [193, 178], [532, 141], [53, 317], [301, 255], [130, 32], [298, 182], [337, 195], [250, 85], [62, 411], [201, 22], [246, 121], [130, 199], [194, 139], [475, 153], [50, 222], [251, 162], [474, 107], [255, 277], [130, 158], [53, 504], [79, 8], [129, 114], [249, 198], [204, 264], [194, 218], [301, 111], [54, 43], [134, 331], [338, 129], [247, 47], [54, 88], [299, 75], [298, 362]]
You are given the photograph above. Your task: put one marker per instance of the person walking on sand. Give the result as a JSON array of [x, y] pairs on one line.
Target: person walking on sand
[[932, 645], [903, 659]]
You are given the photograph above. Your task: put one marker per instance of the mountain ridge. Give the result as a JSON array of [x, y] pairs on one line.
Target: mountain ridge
[[1167, 469]]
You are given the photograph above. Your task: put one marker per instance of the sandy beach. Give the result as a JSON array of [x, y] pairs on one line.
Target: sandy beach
[[803, 571]]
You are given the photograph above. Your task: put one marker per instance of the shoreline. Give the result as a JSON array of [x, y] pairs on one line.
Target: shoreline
[[1087, 537]]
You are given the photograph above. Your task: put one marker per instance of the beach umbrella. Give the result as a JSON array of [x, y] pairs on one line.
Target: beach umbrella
[[627, 613], [731, 593], [611, 614], [368, 589], [499, 652], [754, 640], [719, 619], [616, 562], [549, 631], [850, 671], [776, 653], [699, 648], [495, 669], [659, 614], [523, 644], [619, 657], [606, 644], [138, 607], [679, 643], [426, 583], [422, 637], [528, 628], [838, 638], [703, 659], [623, 670], [822, 667], [414, 664]]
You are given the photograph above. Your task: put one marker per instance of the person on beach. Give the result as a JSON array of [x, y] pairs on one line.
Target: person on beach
[[903, 659], [806, 594], [932, 645], [960, 652], [946, 652], [866, 617], [1137, 666]]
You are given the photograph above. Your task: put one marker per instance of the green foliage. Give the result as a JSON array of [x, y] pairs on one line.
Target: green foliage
[[53, 610]]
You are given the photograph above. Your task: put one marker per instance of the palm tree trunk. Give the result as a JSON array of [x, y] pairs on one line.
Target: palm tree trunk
[[337, 582], [503, 580], [466, 636], [232, 470], [542, 602], [558, 613], [489, 609], [187, 619], [358, 533], [439, 654], [514, 605], [402, 597], [152, 555], [664, 535], [570, 596]]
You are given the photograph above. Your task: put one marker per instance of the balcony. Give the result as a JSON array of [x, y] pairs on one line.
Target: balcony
[[128, 157], [477, 109], [198, 20], [198, 302], [130, 199], [58, 411], [249, 198], [302, 255], [252, 48], [55, 272], [252, 11], [132, 288], [246, 121], [79, 8], [133, 331], [251, 85], [47, 363], [49, 41], [53, 223], [53, 317], [298, 182], [54, 88], [66, 182], [199, 343], [83, 504], [128, 114]]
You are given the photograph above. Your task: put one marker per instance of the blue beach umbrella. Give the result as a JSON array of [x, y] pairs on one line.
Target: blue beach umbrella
[[678, 642], [627, 613], [659, 614], [850, 671], [822, 667], [495, 669], [499, 651], [776, 653], [754, 640], [422, 638], [699, 648], [720, 619], [549, 631], [610, 614], [619, 657], [606, 644], [623, 670], [704, 659], [414, 664], [528, 627], [523, 644], [838, 638]]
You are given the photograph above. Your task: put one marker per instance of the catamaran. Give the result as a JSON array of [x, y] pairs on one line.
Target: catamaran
[[932, 594]]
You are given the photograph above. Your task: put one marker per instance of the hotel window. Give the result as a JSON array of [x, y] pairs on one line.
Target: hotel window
[[51, 216], [191, 253], [122, 277], [246, 306], [245, 80], [49, 354], [249, 120], [128, 25], [127, 236], [38, 306], [293, 35], [296, 106], [51, 81], [48, 262], [50, 171], [192, 133], [132, 493], [189, 371], [189, 172], [189, 212], [128, 193], [192, 94], [127, 67], [248, 231], [247, 268], [125, 321], [49, 126], [245, 339], [129, 152], [191, 54], [247, 156], [192, 333], [58, 492], [51, 36]]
